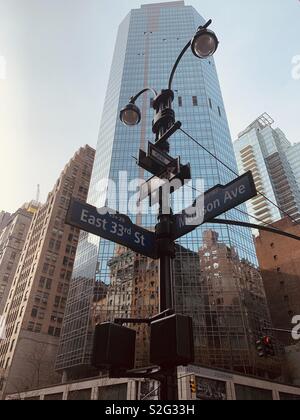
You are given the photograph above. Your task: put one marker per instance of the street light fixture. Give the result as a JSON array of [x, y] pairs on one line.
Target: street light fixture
[[130, 115], [205, 43]]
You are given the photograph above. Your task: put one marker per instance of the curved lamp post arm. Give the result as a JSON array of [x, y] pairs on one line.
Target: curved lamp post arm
[[183, 52], [177, 62], [134, 98]]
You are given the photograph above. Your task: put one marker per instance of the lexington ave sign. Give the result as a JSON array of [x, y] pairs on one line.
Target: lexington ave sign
[[213, 203]]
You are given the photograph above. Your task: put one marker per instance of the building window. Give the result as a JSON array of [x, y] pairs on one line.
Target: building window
[[5, 278], [210, 103], [51, 331], [34, 312], [42, 282], [57, 332], [30, 326], [45, 268], [48, 284], [195, 101], [69, 275], [41, 315], [38, 328], [180, 101], [219, 111], [57, 301]]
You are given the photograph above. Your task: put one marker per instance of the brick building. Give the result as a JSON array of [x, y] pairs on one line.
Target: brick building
[[279, 260]]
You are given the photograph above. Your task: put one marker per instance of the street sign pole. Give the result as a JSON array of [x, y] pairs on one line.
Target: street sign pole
[[166, 246]]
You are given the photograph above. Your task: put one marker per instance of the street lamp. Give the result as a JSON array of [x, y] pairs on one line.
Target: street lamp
[[130, 115], [203, 45]]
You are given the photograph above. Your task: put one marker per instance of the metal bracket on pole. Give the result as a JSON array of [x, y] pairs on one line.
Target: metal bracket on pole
[[148, 321], [169, 133]]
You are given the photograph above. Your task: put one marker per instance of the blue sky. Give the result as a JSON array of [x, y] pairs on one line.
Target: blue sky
[[58, 55]]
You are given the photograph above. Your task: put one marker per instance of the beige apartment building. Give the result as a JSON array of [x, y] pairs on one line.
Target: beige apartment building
[[12, 239], [35, 306]]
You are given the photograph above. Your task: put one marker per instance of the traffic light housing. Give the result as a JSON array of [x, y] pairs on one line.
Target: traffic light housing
[[269, 347], [114, 347], [172, 341], [260, 348], [265, 347], [193, 385]]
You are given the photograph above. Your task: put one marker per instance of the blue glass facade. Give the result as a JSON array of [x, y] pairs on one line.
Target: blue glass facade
[[148, 43]]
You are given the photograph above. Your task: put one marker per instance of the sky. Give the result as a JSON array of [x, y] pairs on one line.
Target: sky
[[55, 58]]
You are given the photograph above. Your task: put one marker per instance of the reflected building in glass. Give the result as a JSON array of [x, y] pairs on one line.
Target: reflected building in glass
[[228, 313]]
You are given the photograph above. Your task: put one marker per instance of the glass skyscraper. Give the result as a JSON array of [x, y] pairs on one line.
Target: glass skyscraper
[[216, 263], [274, 162]]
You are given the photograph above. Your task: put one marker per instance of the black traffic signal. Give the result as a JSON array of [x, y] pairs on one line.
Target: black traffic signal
[[265, 347], [172, 341], [114, 347], [260, 349], [269, 347]]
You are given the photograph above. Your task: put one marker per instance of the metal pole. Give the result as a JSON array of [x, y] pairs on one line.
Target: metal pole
[[166, 292], [165, 118]]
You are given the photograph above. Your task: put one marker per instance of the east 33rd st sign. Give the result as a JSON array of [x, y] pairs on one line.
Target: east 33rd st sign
[[117, 228]]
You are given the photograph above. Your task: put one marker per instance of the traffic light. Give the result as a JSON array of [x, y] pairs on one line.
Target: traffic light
[[171, 342], [260, 348], [193, 385], [265, 347], [269, 347], [114, 347]]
